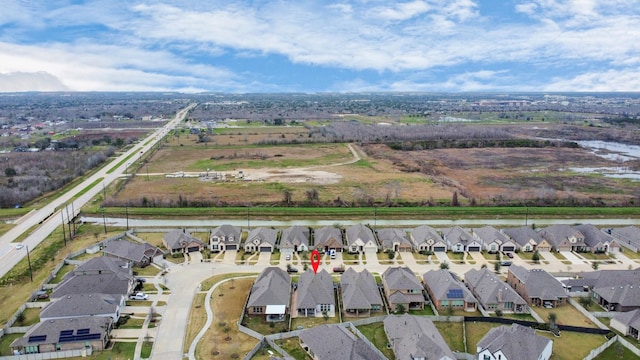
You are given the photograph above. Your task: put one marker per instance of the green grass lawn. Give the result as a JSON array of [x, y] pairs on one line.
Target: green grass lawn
[[617, 351], [292, 347], [259, 324], [475, 331], [375, 333], [309, 322], [426, 311], [146, 271], [31, 316], [453, 256], [132, 323], [572, 345], [558, 255], [630, 254], [452, 334], [5, 343], [592, 256], [60, 274], [525, 317], [147, 347], [566, 315]]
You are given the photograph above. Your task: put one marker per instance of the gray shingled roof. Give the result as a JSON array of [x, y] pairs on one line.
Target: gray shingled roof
[[629, 318], [96, 275], [401, 278], [264, 235], [272, 287], [76, 305], [594, 236], [488, 234], [176, 239], [359, 231], [228, 231], [441, 281], [334, 342], [515, 342], [388, 237], [489, 289], [522, 235], [556, 234], [603, 278], [325, 234], [539, 283], [423, 233], [294, 235], [314, 289], [359, 290], [629, 235], [625, 295], [51, 329], [135, 252], [416, 337]]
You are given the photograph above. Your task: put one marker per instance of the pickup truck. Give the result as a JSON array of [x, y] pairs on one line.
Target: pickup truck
[[338, 269], [139, 296]]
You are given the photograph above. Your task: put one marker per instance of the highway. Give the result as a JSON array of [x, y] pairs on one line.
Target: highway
[[47, 218]]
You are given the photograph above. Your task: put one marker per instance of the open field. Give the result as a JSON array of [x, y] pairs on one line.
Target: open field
[[217, 343]]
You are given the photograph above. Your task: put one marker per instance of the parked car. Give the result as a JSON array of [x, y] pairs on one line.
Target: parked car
[[287, 257], [510, 255], [40, 295], [141, 279], [505, 263], [338, 269], [291, 269], [139, 296]]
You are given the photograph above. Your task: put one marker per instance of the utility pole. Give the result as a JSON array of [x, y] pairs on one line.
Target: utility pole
[[104, 221], [29, 261], [248, 225], [64, 235], [127, 211], [69, 222]]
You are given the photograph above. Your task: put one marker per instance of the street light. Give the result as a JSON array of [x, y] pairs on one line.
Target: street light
[[29, 261]]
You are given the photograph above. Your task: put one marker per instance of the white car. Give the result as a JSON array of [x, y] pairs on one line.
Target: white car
[[19, 246], [139, 296]]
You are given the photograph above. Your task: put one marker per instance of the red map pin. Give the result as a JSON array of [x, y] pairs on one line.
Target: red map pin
[[315, 260]]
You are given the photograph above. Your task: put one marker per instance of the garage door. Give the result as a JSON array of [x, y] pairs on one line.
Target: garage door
[[509, 248], [473, 248], [439, 249], [265, 249], [193, 249], [232, 247]]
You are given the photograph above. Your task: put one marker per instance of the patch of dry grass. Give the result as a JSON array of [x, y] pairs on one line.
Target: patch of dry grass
[[565, 315]]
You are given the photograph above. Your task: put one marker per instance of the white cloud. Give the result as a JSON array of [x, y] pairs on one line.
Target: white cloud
[[400, 11], [35, 81], [612, 80]]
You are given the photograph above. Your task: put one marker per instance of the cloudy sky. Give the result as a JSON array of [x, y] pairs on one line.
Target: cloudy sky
[[319, 46]]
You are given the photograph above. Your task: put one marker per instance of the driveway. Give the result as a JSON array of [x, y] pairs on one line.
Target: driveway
[[230, 257], [478, 257], [264, 258], [575, 260], [408, 259], [371, 257]]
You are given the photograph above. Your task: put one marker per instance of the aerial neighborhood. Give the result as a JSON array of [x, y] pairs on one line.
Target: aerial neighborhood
[[406, 297]]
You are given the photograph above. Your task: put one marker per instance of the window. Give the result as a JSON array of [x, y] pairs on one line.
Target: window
[[257, 309], [487, 357], [508, 305], [325, 307]]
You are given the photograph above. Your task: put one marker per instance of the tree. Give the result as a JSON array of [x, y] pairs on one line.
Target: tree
[[325, 315], [585, 302], [444, 265], [535, 257], [226, 331], [454, 199], [9, 172], [287, 196], [595, 265], [401, 308], [497, 266]]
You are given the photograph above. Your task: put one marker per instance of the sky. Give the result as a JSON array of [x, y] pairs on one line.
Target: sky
[[243, 46]]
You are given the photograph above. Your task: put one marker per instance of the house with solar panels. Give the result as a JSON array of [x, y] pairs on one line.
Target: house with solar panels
[[85, 333], [447, 291]]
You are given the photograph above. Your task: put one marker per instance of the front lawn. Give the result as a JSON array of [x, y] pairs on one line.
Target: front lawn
[[146, 271], [375, 333]]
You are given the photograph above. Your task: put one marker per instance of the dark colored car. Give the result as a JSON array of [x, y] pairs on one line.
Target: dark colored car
[[510, 255], [505, 263], [291, 269]]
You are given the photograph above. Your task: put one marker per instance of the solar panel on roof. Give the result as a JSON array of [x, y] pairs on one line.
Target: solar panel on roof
[[37, 338], [455, 294], [83, 331], [66, 332]]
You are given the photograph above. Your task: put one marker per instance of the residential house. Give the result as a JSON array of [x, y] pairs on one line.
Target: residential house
[[335, 342], [104, 275], [270, 294], [402, 287], [597, 240], [137, 254], [426, 238], [447, 291], [627, 323], [328, 238], [537, 286], [65, 334], [415, 337], [315, 294], [494, 294], [261, 239], [460, 240], [493, 240], [225, 238], [360, 293], [614, 290], [360, 239], [527, 239], [82, 305], [295, 239], [394, 240], [563, 237], [515, 342], [628, 236], [181, 241]]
